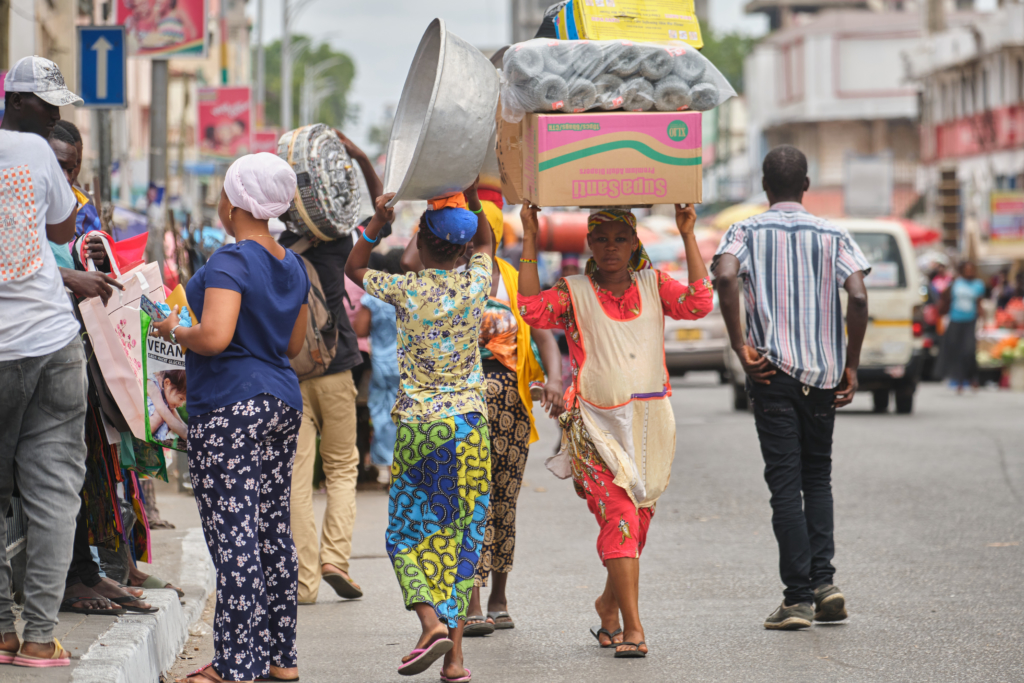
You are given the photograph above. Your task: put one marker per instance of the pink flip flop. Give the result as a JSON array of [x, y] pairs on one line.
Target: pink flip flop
[[60, 657], [7, 657], [465, 679], [425, 657]]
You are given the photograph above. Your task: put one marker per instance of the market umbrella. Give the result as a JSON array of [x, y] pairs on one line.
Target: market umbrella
[[920, 235], [736, 213]]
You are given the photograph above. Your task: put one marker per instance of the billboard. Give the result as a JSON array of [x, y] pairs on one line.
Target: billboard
[[224, 129], [163, 29], [1007, 216], [265, 140]]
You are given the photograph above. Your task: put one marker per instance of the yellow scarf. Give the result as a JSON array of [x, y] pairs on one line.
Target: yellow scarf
[[527, 367]]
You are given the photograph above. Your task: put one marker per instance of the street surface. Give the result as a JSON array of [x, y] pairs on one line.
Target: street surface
[[928, 509]]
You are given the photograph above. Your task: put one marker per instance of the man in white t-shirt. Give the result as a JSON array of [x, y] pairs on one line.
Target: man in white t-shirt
[[42, 362]]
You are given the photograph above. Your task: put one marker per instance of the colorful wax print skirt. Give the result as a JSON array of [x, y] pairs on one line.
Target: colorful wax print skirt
[[437, 511]]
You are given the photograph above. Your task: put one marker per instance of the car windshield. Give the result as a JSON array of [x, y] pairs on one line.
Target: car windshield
[[883, 253]]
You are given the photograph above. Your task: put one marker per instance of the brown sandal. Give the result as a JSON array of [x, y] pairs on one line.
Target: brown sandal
[[201, 675]]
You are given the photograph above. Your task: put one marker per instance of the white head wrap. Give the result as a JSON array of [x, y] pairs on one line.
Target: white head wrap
[[262, 184]]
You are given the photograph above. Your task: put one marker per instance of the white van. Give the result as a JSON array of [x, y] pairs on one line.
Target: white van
[[893, 351]]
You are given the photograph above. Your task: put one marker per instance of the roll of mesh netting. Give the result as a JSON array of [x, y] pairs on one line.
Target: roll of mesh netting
[[637, 94], [671, 94], [523, 64], [623, 60], [609, 91], [326, 204], [704, 97], [587, 60], [547, 92], [690, 66], [582, 95], [656, 63], [558, 57]]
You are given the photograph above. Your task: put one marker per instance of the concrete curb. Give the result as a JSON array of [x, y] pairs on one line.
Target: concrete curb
[[138, 648]]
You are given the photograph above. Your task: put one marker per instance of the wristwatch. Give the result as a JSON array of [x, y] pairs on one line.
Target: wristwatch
[[174, 340]]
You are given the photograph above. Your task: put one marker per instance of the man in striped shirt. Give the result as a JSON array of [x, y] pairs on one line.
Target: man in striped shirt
[[800, 368]]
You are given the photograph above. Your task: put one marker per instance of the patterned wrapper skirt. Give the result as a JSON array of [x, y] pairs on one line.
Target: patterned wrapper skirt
[[437, 510], [509, 424]]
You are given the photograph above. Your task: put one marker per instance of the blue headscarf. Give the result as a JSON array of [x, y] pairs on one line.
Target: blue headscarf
[[451, 224]]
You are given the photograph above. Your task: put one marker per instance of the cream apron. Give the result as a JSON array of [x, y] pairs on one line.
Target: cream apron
[[623, 391]]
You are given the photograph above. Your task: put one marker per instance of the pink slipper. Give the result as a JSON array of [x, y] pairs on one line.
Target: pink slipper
[[425, 657], [465, 679], [60, 657], [7, 657]]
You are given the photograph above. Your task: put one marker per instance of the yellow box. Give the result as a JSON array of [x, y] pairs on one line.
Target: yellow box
[[651, 21]]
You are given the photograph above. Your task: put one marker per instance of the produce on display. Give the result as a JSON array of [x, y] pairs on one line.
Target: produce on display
[[326, 204], [544, 75]]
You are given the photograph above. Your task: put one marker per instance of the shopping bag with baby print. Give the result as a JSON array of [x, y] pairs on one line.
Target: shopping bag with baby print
[[163, 371]]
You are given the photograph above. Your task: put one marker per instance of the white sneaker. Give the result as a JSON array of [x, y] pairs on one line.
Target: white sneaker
[[384, 476]]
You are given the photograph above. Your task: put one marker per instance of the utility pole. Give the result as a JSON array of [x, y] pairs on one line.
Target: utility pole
[[286, 69], [158, 159], [289, 12], [261, 68], [5, 33], [223, 42]]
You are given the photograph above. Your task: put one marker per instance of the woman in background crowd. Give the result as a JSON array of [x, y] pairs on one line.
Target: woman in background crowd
[[962, 301], [249, 302]]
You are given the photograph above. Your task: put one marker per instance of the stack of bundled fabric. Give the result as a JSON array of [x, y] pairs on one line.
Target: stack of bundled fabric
[[574, 76], [327, 199]]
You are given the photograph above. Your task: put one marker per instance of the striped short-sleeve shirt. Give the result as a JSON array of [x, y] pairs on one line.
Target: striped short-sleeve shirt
[[793, 265]]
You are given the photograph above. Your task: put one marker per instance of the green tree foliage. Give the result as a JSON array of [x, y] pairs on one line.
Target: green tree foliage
[[335, 110], [727, 51]]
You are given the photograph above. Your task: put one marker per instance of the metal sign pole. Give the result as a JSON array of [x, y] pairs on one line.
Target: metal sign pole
[[158, 159]]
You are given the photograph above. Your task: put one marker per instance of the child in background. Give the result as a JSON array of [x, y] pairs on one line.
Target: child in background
[[442, 421], [376, 320]]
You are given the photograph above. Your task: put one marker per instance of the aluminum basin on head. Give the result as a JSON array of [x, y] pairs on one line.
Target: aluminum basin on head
[[445, 119]]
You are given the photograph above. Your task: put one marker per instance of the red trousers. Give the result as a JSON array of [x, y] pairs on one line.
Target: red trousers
[[623, 526]]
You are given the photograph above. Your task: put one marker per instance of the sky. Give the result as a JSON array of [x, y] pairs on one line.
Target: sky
[[381, 37]]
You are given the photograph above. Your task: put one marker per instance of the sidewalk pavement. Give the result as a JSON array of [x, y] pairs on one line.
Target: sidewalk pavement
[[138, 648]]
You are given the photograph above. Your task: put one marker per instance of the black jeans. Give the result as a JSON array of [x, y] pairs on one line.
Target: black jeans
[[794, 425]]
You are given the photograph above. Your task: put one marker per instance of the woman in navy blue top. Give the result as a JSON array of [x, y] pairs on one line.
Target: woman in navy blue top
[[245, 408]]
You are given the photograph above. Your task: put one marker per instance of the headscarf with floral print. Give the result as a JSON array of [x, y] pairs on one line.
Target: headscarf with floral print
[[639, 259]]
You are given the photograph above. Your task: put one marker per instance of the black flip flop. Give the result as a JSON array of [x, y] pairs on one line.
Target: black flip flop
[[478, 628], [611, 636], [342, 586], [68, 605], [630, 654], [272, 677], [123, 602], [494, 616]]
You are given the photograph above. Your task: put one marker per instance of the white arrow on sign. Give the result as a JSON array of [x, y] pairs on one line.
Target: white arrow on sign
[[102, 47]]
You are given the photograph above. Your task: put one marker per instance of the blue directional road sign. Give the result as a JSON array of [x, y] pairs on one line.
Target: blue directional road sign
[[101, 66]]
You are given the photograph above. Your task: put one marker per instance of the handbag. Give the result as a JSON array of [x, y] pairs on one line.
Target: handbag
[[113, 330]]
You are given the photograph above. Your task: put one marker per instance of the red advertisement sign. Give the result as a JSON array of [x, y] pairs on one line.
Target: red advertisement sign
[[265, 140], [225, 122], [164, 28]]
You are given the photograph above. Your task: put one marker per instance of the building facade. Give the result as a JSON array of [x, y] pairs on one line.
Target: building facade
[[835, 84], [972, 123]]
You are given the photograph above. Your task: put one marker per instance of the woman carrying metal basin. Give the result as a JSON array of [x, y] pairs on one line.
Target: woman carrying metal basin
[[619, 431]]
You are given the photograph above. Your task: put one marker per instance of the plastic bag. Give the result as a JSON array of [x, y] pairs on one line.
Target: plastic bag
[[164, 390], [573, 76]]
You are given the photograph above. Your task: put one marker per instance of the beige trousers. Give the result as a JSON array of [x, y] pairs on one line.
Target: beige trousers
[[329, 410]]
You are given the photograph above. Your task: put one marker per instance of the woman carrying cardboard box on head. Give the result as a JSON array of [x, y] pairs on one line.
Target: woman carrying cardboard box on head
[[619, 431]]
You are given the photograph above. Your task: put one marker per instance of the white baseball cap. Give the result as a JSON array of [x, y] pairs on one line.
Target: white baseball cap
[[41, 77]]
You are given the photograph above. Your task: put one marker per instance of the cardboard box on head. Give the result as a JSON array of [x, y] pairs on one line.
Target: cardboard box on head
[[605, 159]]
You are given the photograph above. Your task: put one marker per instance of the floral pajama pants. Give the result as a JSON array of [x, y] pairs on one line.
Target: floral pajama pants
[[240, 458]]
